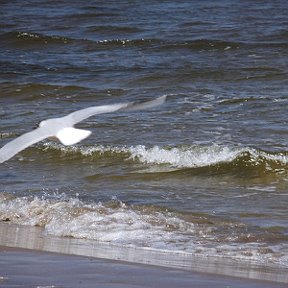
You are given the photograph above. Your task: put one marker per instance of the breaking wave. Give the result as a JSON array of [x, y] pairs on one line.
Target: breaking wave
[[221, 158], [143, 226]]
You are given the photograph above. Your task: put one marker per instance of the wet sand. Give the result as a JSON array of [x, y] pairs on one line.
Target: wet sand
[[35, 267], [28, 268]]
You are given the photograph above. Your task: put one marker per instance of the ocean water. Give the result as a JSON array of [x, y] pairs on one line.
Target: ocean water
[[206, 173]]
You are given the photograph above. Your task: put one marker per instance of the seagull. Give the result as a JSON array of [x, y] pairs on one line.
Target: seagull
[[63, 128]]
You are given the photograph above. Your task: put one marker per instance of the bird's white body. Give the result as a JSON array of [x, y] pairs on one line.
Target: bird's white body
[[67, 135], [71, 136], [63, 128]]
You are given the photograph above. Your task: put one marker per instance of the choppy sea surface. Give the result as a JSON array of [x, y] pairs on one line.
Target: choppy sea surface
[[205, 173]]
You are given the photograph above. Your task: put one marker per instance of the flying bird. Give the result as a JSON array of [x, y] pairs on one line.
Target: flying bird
[[63, 128]]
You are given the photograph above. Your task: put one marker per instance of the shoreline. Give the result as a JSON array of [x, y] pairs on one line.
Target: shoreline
[[30, 268], [28, 243]]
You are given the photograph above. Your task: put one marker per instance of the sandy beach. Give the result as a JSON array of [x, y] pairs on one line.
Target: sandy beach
[[29, 258], [30, 268]]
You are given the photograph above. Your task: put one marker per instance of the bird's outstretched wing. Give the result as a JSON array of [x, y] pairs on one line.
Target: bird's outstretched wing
[[82, 114], [133, 106], [22, 142], [77, 116]]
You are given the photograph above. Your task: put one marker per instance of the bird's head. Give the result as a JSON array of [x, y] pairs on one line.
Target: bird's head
[[39, 124]]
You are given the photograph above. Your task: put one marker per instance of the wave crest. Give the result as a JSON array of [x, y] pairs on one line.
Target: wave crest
[[222, 158], [21, 38], [187, 157]]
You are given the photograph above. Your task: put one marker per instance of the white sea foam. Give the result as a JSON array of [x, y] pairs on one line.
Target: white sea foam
[[119, 224], [181, 157], [190, 156]]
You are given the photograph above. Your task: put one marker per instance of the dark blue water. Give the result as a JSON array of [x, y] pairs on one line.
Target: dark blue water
[[204, 173]]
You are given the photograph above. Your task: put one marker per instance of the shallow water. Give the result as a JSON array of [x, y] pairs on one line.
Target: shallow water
[[205, 173]]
